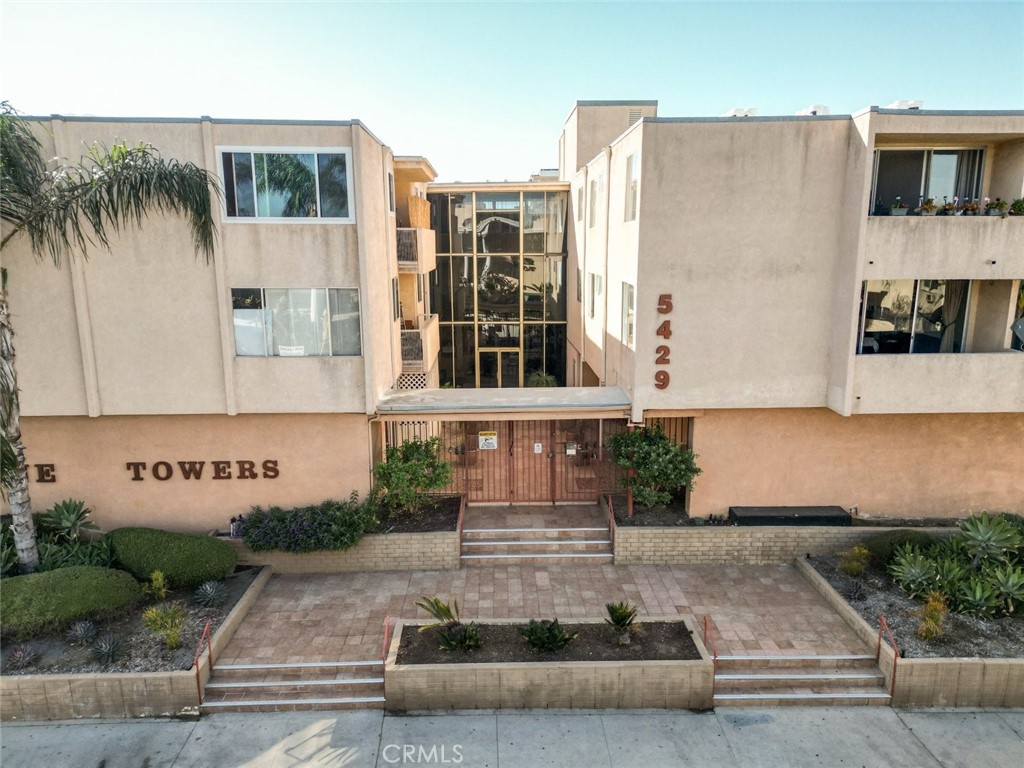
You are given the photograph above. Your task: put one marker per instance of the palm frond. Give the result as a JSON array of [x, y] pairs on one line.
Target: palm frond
[[21, 166]]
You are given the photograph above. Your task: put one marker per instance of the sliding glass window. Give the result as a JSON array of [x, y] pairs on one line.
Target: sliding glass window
[[918, 316], [909, 176]]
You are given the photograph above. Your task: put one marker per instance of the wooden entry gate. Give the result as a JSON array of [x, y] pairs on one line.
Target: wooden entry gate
[[536, 462]]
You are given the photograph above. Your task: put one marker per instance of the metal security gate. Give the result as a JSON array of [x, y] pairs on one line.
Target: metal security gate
[[537, 462]]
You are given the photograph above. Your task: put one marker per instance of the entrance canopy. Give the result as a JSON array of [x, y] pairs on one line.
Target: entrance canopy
[[511, 404]]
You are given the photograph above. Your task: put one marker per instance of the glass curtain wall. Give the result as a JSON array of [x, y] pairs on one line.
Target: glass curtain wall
[[499, 287]]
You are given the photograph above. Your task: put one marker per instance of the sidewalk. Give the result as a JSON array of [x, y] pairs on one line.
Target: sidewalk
[[788, 738]]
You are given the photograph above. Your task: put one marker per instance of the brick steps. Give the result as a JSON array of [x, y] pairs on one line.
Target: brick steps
[[525, 546], [813, 680], [294, 687]]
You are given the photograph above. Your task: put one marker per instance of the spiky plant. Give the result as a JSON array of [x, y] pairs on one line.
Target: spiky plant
[[166, 620], [460, 637], [67, 520], [989, 538], [21, 656], [546, 636], [855, 591], [1009, 584], [912, 571], [107, 649], [621, 616], [978, 598], [210, 594], [82, 632], [444, 614]]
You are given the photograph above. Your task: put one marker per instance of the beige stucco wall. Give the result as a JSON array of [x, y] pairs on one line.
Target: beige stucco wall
[[949, 464], [1008, 171], [591, 126], [318, 456]]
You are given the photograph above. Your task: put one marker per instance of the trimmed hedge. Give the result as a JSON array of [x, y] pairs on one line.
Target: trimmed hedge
[[881, 546], [187, 560], [330, 525], [49, 600]]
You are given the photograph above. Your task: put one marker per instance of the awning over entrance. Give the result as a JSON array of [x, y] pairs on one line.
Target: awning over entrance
[[505, 404]]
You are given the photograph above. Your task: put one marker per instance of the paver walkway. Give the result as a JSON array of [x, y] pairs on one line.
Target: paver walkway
[[339, 617]]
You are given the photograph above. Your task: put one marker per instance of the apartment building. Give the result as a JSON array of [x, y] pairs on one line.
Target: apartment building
[[736, 280]]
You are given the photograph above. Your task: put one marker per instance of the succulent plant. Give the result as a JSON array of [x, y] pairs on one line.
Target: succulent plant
[[21, 656], [108, 649], [855, 591], [211, 594], [82, 632]]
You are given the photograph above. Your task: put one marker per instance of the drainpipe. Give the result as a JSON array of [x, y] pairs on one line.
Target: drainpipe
[[629, 473]]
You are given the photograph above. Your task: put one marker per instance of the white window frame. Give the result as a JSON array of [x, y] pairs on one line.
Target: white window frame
[[629, 315], [632, 188], [327, 290], [391, 191], [968, 300], [349, 174], [926, 168], [596, 289]]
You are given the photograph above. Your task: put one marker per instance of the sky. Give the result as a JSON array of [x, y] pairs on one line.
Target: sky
[[482, 89]]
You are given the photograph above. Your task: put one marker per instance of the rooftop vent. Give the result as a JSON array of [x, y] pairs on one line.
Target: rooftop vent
[[914, 104], [634, 115], [815, 109], [740, 112]]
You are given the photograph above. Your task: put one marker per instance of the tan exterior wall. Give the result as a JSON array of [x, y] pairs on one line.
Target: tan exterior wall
[[374, 552], [886, 465], [591, 127], [319, 456]]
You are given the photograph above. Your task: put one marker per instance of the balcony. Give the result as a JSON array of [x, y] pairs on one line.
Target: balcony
[[416, 250], [939, 383], [421, 344], [950, 247]]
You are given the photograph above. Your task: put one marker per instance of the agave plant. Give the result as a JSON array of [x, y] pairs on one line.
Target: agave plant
[[621, 616], [210, 594], [460, 637], [82, 632], [67, 520], [21, 656], [978, 598], [913, 571], [107, 649], [989, 537], [1009, 584], [949, 575]]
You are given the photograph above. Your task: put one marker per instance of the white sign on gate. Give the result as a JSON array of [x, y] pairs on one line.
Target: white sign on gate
[[488, 441]]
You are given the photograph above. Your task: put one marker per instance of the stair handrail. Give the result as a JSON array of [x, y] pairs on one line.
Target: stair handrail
[[611, 523], [203, 638], [883, 625], [387, 639], [709, 642]]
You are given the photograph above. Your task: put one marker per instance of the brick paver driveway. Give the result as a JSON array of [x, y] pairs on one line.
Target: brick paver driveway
[[337, 617]]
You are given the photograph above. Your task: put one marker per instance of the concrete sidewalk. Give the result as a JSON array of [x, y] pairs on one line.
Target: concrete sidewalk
[[739, 738]]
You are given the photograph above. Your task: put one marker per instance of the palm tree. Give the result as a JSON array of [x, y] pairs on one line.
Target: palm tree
[[62, 208]]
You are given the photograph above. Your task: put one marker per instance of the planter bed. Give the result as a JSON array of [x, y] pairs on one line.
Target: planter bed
[[162, 686], [948, 680], [666, 667]]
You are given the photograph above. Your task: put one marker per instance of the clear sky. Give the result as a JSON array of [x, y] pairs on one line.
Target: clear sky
[[483, 88]]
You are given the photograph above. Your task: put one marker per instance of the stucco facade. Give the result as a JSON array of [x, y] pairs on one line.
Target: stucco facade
[[716, 270]]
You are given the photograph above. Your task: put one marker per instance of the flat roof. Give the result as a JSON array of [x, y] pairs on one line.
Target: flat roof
[[542, 402]]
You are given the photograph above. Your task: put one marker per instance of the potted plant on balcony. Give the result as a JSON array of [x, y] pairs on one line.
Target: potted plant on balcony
[[927, 208], [949, 209], [971, 208], [1017, 207], [899, 208], [995, 207]]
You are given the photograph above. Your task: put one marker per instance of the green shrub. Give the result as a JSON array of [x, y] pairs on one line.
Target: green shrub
[[854, 561], [157, 587], [656, 467], [912, 570], [65, 553], [932, 615], [330, 525], [451, 633], [546, 636], [8, 552], [621, 616], [210, 594], [881, 546], [185, 559], [52, 599], [167, 620], [408, 473]]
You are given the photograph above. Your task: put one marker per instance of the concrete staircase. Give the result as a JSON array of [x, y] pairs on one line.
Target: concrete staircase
[[294, 687], [536, 546], [773, 681]]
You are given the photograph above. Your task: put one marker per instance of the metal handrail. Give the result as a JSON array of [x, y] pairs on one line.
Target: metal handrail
[[611, 522], [203, 638], [384, 653], [883, 625]]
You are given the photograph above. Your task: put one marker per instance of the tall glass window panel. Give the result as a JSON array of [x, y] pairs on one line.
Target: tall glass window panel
[[888, 315], [440, 222], [299, 323], [900, 175], [554, 352], [446, 358], [554, 303], [250, 322], [557, 210], [534, 215], [465, 355], [498, 287], [463, 293], [954, 173], [239, 194], [939, 316], [628, 315], [463, 232], [497, 201], [344, 331], [497, 232], [499, 335], [285, 185], [488, 369], [509, 369], [441, 288], [333, 171], [535, 287], [533, 352]]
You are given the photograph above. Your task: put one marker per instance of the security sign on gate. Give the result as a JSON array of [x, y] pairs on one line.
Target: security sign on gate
[[488, 441]]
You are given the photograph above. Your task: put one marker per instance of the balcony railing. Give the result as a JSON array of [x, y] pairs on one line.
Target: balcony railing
[[421, 345], [416, 250]]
